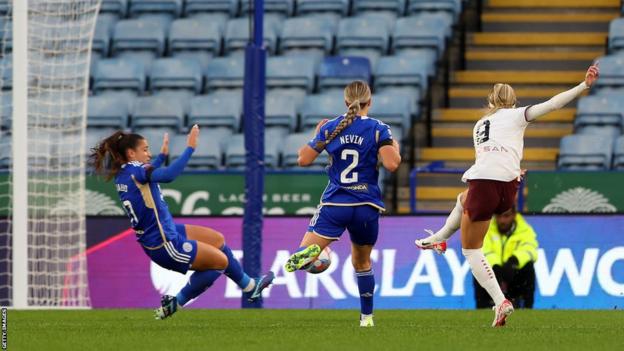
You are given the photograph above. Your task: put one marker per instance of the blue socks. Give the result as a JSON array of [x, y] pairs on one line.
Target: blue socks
[[366, 285], [197, 284], [234, 270]]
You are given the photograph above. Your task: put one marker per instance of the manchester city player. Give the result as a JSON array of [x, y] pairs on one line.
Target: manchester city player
[[177, 247], [352, 199]]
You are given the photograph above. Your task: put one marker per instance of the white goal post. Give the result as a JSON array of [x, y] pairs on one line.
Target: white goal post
[[44, 66]]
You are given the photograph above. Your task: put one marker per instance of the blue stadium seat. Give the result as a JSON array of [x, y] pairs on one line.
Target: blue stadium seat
[[421, 31], [317, 107], [195, 38], [304, 33], [140, 35], [106, 112], [207, 155], [6, 110], [289, 152], [172, 7], [5, 151], [402, 72], [618, 154], [452, 7], [585, 152], [394, 110], [225, 73], [340, 7], [216, 110], [280, 111], [611, 71], [6, 33], [229, 7], [607, 132], [119, 74], [291, 72], [338, 71], [103, 32], [116, 7], [172, 73], [282, 7], [235, 152], [237, 36], [362, 33], [616, 35], [600, 110], [395, 6], [158, 111]]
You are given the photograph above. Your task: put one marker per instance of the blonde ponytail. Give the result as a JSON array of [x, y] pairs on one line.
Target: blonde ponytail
[[501, 96], [357, 94]]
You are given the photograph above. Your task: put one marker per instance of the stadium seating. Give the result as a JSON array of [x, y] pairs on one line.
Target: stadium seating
[[119, 74], [228, 7], [607, 132], [195, 38], [146, 35], [308, 34], [6, 111], [403, 75], [116, 7], [237, 35], [338, 7], [421, 31], [616, 35], [291, 146], [280, 111], [225, 73], [216, 110], [618, 154], [291, 72], [585, 152], [171, 7], [106, 111], [451, 7], [103, 33], [172, 73], [281, 7], [394, 110], [207, 155], [396, 7], [338, 71], [363, 36], [600, 110], [158, 111], [318, 107]]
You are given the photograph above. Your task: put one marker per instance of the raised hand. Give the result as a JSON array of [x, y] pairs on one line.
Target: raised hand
[[192, 137], [165, 145], [592, 74]]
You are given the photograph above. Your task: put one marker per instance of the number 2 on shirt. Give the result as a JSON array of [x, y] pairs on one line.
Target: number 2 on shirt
[[345, 178]]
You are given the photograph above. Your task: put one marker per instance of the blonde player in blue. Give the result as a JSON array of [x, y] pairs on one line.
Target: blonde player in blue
[[126, 157], [352, 199]]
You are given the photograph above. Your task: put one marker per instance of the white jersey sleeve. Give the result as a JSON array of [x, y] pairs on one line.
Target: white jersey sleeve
[[499, 141]]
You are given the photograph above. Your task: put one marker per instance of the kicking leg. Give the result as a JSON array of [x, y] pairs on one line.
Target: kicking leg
[[234, 271], [452, 224], [310, 247]]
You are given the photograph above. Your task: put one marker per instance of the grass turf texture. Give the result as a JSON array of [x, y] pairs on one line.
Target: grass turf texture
[[313, 330]]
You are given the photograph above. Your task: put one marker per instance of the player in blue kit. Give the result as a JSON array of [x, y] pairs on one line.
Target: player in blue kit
[[352, 199], [177, 247]]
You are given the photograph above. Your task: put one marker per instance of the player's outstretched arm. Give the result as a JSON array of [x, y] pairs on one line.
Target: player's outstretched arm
[[560, 100], [168, 174], [307, 154]]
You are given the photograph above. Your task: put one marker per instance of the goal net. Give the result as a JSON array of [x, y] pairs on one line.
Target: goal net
[[44, 67]]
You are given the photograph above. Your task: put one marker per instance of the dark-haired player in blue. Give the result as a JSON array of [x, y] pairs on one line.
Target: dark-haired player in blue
[[352, 199], [177, 247]]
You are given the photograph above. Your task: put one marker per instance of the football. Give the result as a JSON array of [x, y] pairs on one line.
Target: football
[[321, 263]]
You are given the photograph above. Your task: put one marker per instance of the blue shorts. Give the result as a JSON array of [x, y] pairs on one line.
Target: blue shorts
[[177, 254], [361, 221]]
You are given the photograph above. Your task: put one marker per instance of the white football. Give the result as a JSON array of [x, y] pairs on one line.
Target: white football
[[321, 263]]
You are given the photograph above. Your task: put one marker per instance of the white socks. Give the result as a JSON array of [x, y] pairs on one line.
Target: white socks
[[452, 224], [482, 271]]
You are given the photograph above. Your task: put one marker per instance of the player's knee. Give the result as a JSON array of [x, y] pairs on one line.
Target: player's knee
[[361, 264], [221, 262]]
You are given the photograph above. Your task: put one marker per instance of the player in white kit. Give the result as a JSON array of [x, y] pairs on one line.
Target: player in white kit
[[493, 180]]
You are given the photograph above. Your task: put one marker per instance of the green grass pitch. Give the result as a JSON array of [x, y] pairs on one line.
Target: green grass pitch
[[313, 330]]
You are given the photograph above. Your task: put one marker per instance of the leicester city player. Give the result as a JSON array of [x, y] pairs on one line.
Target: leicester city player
[[352, 199], [177, 247]]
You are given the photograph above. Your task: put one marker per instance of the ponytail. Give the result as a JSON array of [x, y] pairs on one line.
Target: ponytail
[[352, 112], [109, 155]]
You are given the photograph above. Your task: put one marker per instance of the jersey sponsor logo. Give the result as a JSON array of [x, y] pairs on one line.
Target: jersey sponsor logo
[[578, 200], [357, 187], [493, 149]]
